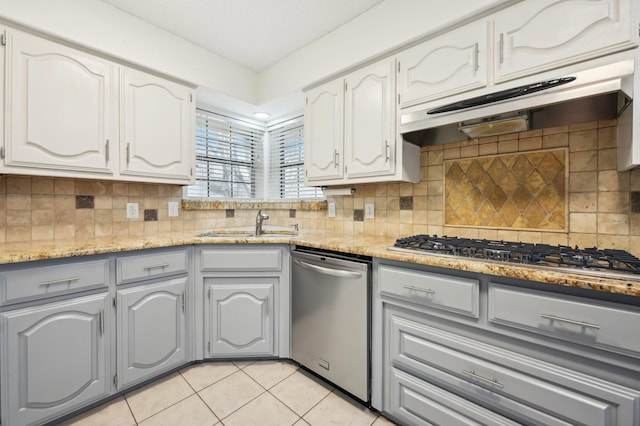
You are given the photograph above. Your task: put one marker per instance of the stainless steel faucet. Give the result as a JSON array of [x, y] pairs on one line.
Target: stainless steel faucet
[[260, 217]]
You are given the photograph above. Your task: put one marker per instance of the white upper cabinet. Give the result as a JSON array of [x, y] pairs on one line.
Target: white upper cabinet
[[157, 117], [534, 36], [60, 107], [323, 131], [350, 131], [73, 114], [452, 63], [370, 120]]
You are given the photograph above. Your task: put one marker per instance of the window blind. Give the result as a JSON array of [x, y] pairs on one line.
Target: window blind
[[286, 162], [227, 151]]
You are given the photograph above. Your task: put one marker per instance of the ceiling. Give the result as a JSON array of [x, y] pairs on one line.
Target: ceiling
[[253, 33]]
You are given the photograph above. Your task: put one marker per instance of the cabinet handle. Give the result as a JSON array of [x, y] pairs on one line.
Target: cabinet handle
[[101, 322], [106, 151], [128, 150], [492, 382], [476, 55], [160, 265], [387, 151], [416, 288], [336, 158], [60, 281], [501, 48], [184, 302], [570, 321]]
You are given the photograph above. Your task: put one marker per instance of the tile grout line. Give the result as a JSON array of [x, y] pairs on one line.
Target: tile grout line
[[198, 394]]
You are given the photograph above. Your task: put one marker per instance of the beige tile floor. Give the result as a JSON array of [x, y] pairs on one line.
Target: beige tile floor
[[233, 394]]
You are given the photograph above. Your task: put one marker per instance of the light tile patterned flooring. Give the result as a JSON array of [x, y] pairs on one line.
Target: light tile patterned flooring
[[234, 394]]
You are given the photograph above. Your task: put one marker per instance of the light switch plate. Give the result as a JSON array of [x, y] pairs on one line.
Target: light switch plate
[[173, 208], [132, 210], [332, 210], [369, 211]]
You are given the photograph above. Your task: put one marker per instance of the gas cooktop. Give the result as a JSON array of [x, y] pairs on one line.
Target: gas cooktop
[[545, 255]]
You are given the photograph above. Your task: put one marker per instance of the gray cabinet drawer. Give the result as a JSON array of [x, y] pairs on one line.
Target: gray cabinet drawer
[[241, 259], [34, 282], [151, 265], [607, 326], [448, 293], [418, 402], [528, 390]]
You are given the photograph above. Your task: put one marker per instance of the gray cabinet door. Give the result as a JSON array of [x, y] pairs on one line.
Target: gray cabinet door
[[151, 329], [239, 316], [54, 359]]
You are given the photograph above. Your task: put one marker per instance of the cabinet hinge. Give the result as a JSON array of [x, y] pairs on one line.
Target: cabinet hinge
[[190, 97], [209, 294], [306, 101], [398, 66], [115, 380], [191, 171], [398, 98], [115, 302], [2, 152], [3, 38], [345, 86], [209, 347]]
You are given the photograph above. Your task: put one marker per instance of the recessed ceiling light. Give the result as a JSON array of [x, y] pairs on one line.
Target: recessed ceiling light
[[261, 115]]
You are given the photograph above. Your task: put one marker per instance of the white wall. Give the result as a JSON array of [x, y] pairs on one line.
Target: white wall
[[102, 27]]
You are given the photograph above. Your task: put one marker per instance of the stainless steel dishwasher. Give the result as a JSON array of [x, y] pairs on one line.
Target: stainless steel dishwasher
[[331, 317]]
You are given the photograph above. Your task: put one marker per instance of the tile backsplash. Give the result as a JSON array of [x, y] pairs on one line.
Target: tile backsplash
[[525, 190], [598, 199]]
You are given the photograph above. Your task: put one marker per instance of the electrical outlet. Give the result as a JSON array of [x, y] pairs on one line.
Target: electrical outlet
[[132, 210], [332, 210], [368, 211], [173, 208]]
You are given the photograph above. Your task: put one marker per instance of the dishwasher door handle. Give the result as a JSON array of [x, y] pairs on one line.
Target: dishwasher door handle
[[329, 271]]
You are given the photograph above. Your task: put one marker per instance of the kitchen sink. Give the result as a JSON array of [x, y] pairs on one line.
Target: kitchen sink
[[243, 233]]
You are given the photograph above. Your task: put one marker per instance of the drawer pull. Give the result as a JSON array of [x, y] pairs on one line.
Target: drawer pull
[[161, 265], [60, 281], [416, 288], [492, 382], [570, 321]]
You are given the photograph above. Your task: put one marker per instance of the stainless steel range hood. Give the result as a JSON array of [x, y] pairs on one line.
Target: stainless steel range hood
[[596, 94]]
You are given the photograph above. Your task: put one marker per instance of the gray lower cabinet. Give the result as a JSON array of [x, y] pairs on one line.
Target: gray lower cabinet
[[152, 329], [245, 293], [239, 316], [437, 365], [55, 358]]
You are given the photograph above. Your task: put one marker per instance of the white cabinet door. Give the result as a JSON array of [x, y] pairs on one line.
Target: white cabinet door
[[533, 36], [60, 108], [239, 316], [157, 127], [54, 359], [370, 120], [151, 329], [452, 63], [323, 132]]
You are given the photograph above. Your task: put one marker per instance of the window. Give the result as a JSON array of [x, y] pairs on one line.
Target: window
[[286, 154], [236, 159], [227, 151]]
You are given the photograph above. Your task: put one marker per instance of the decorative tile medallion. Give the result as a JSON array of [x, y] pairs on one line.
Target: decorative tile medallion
[[523, 190]]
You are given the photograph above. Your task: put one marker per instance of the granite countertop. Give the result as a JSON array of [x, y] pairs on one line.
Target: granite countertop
[[357, 244]]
